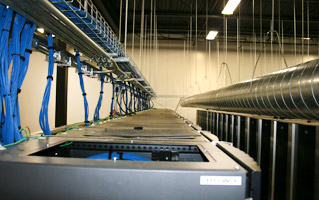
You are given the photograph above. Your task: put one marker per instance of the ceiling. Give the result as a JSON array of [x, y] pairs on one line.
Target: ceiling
[[174, 17]]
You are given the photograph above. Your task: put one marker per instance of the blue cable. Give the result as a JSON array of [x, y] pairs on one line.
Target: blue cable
[[99, 103], [135, 109], [131, 98], [125, 156], [86, 106], [126, 101], [113, 91], [44, 118], [14, 54], [26, 51], [120, 95], [7, 119]]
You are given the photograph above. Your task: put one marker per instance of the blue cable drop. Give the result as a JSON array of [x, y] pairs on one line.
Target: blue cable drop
[[16, 57], [99, 103], [131, 98], [126, 101], [6, 119], [121, 97], [44, 118], [86, 106], [26, 51], [113, 91]]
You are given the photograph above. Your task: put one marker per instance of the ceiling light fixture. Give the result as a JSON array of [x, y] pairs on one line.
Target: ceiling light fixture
[[211, 35], [41, 30], [230, 7]]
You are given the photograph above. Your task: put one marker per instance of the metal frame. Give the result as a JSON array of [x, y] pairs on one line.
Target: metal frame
[[46, 15], [280, 145]]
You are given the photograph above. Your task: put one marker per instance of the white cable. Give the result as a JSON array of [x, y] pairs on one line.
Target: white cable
[[295, 32], [196, 44], [238, 60], [120, 23], [133, 31], [302, 31], [308, 29], [142, 35], [125, 34]]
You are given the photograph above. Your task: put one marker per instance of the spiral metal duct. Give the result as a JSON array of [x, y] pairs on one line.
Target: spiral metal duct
[[290, 93]]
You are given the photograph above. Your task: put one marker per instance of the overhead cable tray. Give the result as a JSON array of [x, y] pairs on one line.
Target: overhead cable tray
[[80, 24]]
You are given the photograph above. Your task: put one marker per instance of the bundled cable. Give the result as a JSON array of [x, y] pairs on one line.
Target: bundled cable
[[44, 118], [126, 100], [6, 120], [86, 106], [131, 98], [99, 103], [12, 51], [120, 95], [135, 99], [14, 54], [113, 91], [25, 50]]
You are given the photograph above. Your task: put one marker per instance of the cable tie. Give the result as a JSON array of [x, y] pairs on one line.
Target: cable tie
[[101, 92], [16, 54], [86, 122], [19, 127], [84, 94], [51, 77], [19, 91], [6, 95], [50, 47], [5, 30], [77, 54], [14, 115], [28, 51], [80, 73], [22, 58]]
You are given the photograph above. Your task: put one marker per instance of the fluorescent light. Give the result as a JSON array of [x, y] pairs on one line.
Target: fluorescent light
[[306, 38], [53, 35], [211, 35], [230, 7], [41, 30]]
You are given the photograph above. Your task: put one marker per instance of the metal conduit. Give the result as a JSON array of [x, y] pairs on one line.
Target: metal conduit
[[290, 93]]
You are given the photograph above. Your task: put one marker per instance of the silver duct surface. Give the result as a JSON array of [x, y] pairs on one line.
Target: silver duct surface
[[290, 93]]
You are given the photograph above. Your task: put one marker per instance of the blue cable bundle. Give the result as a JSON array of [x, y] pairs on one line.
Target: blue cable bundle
[[12, 50], [139, 101], [86, 106], [113, 91], [26, 43], [126, 101], [14, 54], [134, 93], [99, 103], [120, 94], [44, 118], [131, 98], [7, 120]]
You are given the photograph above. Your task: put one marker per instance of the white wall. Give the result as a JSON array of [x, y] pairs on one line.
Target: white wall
[[171, 72], [34, 86], [180, 72]]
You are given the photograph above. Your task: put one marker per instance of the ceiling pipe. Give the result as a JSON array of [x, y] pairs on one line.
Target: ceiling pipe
[[290, 93]]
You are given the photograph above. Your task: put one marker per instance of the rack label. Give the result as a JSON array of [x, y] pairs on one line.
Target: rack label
[[220, 180]]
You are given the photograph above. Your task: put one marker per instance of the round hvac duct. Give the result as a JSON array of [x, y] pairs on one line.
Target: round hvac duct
[[289, 93]]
